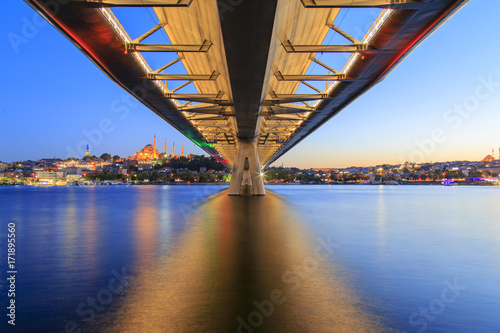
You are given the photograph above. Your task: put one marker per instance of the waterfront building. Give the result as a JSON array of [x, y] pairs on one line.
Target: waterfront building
[[49, 175]]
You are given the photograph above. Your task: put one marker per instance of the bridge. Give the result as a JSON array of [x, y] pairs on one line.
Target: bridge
[[246, 80]]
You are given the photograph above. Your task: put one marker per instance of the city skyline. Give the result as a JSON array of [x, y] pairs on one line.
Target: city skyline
[[437, 105]]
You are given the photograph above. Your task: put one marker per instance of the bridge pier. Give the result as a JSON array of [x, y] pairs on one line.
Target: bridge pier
[[246, 169]]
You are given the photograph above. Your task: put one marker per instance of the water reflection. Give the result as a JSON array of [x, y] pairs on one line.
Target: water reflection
[[145, 229], [243, 264]]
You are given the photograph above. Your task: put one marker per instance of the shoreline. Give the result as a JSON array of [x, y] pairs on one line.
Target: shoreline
[[287, 184]]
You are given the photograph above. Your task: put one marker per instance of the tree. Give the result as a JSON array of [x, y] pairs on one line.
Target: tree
[[106, 156], [164, 178], [188, 176], [202, 177], [270, 175], [154, 176], [142, 176], [116, 158]]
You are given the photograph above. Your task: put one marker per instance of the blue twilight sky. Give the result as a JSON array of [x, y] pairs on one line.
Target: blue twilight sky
[[441, 103]]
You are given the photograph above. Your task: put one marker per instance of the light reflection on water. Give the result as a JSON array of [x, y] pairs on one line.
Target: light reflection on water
[[237, 251], [203, 261]]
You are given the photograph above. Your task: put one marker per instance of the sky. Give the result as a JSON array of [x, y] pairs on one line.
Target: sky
[[440, 104]]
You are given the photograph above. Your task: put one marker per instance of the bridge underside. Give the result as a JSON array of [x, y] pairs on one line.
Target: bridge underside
[[247, 80]]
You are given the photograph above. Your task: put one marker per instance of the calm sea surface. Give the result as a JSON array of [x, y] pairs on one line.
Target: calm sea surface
[[300, 259]]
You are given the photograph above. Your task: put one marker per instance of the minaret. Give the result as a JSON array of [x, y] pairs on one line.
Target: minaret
[[154, 146], [173, 149], [165, 148], [182, 151], [87, 151], [493, 153]]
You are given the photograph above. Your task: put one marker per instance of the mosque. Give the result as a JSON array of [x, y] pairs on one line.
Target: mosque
[[491, 158], [149, 152]]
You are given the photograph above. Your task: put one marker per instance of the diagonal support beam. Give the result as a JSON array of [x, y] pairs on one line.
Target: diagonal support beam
[[292, 107], [282, 118], [344, 34], [150, 32], [292, 98], [216, 110], [265, 139], [212, 126], [202, 107], [268, 127], [296, 77], [218, 117], [311, 86], [169, 47], [324, 65], [162, 68], [272, 112], [279, 132], [136, 3], [184, 77], [202, 98], [181, 86], [394, 4], [214, 132], [290, 48]]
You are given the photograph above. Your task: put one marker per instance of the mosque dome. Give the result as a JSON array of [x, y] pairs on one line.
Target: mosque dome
[[488, 158]]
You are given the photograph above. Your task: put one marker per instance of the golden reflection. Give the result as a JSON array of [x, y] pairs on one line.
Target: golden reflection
[[146, 225], [244, 264], [165, 217]]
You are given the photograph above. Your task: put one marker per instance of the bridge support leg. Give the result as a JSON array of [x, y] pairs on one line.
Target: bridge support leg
[[246, 169]]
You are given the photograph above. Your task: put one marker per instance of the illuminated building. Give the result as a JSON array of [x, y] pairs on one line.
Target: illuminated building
[[87, 151], [489, 158], [149, 152]]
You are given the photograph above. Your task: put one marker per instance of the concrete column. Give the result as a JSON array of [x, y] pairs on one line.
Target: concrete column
[[246, 169]]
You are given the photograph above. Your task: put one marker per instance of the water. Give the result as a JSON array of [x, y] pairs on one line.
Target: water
[[300, 259]]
